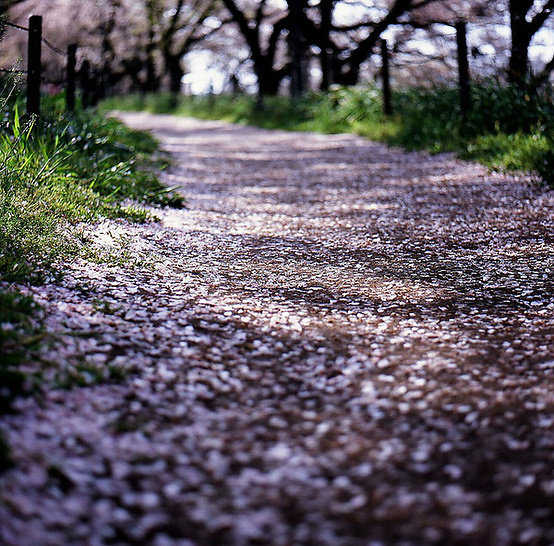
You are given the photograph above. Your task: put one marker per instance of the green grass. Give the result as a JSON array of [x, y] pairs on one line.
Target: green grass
[[56, 173], [59, 171], [507, 129]]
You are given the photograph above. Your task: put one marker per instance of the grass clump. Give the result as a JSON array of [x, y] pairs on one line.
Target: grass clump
[[62, 170], [506, 129], [56, 173], [114, 161]]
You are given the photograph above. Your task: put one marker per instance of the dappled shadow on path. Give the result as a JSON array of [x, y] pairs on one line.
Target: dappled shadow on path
[[335, 344], [431, 278], [305, 436]]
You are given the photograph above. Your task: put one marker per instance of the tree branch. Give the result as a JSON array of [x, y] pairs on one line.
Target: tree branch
[[540, 18]]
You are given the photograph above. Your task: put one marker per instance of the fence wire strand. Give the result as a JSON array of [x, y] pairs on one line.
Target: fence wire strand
[[13, 25], [46, 42]]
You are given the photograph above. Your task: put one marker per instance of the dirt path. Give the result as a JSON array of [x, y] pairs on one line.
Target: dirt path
[[334, 344]]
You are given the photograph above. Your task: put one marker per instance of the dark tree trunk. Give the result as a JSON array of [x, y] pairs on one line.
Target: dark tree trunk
[[152, 83], [269, 78], [175, 81], [325, 58], [464, 77], [176, 73], [297, 48], [351, 67], [108, 49], [385, 74], [521, 39], [350, 76], [269, 82], [132, 68]]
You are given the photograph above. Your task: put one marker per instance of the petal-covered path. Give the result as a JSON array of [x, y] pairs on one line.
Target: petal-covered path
[[335, 343]]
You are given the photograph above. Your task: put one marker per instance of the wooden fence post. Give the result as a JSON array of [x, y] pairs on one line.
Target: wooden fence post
[[99, 86], [70, 87], [463, 68], [84, 77], [94, 88], [102, 87], [387, 97], [34, 65]]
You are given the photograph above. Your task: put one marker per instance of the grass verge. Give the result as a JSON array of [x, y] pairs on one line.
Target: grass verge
[[56, 173]]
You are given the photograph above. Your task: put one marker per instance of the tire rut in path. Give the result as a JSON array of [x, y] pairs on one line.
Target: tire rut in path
[[335, 343]]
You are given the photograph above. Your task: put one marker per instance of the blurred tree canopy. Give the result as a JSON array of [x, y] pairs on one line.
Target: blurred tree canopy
[[145, 45]]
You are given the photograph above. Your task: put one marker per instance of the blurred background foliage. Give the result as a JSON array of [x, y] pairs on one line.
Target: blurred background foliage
[[506, 129]]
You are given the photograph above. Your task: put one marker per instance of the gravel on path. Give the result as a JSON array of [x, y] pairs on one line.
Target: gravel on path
[[335, 343]]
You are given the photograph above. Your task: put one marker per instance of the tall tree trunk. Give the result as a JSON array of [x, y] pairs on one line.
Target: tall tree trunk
[[108, 50], [132, 68], [350, 76], [349, 73], [152, 82], [325, 60], [297, 48], [269, 79], [175, 72], [521, 39]]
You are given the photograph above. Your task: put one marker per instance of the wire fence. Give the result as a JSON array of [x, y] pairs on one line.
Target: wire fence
[[47, 43], [90, 83], [35, 76]]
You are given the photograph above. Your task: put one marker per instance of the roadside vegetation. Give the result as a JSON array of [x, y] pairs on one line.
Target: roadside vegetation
[[56, 174], [506, 129]]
